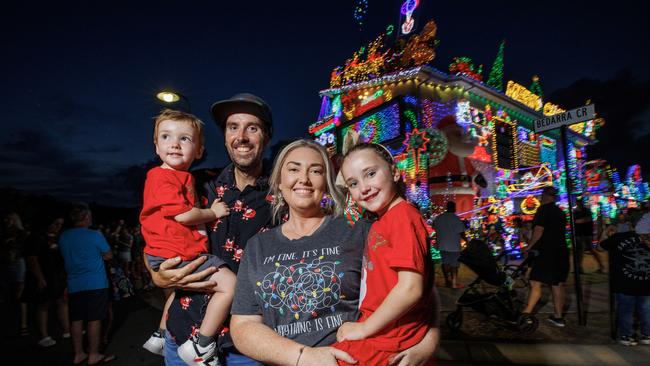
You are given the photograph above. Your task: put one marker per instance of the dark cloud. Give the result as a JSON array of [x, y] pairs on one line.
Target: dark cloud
[[36, 161]]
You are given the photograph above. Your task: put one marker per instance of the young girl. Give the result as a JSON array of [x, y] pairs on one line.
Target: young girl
[[397, 292]]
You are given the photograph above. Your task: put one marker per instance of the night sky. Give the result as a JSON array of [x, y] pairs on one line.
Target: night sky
[[80, 77]]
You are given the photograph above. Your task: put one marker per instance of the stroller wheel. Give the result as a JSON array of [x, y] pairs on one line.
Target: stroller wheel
[[455, 319], [527, 323]]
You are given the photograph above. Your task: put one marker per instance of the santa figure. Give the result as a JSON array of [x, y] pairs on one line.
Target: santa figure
[[455, 178]]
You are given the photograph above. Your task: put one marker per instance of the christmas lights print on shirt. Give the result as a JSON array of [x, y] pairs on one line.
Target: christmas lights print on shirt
[[302, 288]]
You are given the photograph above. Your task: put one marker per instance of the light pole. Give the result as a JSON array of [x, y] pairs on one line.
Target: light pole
[[170, 97]]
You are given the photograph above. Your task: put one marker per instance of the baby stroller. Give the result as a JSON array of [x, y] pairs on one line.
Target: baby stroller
[[498, 301]]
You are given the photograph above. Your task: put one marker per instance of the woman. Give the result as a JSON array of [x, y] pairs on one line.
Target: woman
[[13, 250], [300, 281]]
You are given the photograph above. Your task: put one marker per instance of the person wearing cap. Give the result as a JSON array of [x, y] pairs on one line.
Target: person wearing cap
[[551, 264], [629, 262], [247, 124]]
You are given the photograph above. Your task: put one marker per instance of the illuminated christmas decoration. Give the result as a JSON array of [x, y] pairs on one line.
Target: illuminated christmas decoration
[[574, 171], [463, 116], [495, 79], [360, 10], [420, 49], [437, 146], [522, 95], [638, 190], [353, 212], [326, 138], [551, 109], [379, 126], [464, 66], [360, 101], [434, 111], [407, 9], [528, 151], [504, 138], [376, 59], [588, 128], [529, 205], [391, 96], [534, 179], [416, 142], [536, 87]]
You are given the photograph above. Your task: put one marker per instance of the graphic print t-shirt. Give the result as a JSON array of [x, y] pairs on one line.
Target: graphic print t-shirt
[[306, 288], [629, 263], [168, 193], [397, 241]]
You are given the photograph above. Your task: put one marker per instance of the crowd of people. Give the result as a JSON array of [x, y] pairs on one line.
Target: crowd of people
[[260, 266], [36, 278]]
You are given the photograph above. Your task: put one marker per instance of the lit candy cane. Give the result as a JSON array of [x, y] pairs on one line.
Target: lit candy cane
[[408, 7]]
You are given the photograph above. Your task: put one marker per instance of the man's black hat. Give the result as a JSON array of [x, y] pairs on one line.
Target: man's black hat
[[243, 103]]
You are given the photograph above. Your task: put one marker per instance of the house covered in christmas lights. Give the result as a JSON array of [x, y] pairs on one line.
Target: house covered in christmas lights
[[454, 136]]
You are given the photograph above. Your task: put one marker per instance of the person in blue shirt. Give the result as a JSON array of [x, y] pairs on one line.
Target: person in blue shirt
[[84, 251]]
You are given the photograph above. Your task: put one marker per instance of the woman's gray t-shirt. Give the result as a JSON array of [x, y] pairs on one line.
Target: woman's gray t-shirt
[[306, 288]]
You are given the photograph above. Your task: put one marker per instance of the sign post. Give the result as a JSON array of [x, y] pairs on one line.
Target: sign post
[[563, 120]]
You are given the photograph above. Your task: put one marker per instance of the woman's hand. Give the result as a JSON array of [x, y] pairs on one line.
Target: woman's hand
[[351, 331], [169, 276], [419, 354], [324, 356]]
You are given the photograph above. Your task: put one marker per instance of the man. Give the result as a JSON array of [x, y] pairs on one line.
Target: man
[[584, 229], [84, 252], [551, 265], [449, 230], [247, 124], [630, 267]]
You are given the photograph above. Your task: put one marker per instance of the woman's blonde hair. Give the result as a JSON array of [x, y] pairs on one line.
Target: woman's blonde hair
[[334, 202], [17, 222]]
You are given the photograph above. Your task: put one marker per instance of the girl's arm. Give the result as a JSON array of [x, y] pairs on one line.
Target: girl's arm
[[406, 293], [256, 340]]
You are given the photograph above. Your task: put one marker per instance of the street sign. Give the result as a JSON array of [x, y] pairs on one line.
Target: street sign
[[580, 114]]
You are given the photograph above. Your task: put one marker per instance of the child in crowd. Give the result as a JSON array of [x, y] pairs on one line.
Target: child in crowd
[[397, 290], [170, 222]]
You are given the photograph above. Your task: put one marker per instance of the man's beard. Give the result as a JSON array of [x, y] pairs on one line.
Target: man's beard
[[251, 167], [246, 168]]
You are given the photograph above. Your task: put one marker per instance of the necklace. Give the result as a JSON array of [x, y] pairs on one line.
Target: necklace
[[292, 229]]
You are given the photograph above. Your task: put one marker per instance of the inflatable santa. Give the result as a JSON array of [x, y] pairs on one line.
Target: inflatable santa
[[455, 178]]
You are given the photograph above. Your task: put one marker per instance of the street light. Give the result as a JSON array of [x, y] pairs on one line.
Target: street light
[[170, 97]]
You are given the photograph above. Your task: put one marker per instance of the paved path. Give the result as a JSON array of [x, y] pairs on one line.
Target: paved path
[[480, 341]]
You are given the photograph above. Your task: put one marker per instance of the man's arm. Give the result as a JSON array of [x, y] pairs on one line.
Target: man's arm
[[107, 255], [169, 276], [421, 353], [256, 340], [406, 293], [537, 234]]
